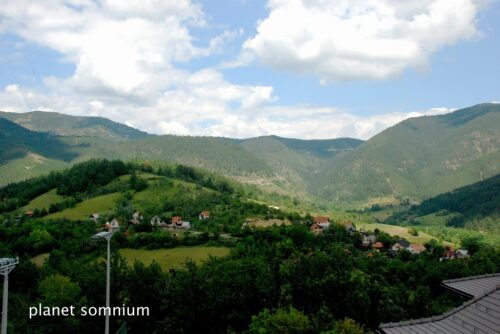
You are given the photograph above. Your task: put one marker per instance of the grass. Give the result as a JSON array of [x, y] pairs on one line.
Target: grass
[[43, 201], [173, 258], [401, 231], [81, 211], [40, 259]]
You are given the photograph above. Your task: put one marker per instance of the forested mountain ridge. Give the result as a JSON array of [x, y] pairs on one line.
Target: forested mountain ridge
[[419, 157], [17, 142], [66, 125]]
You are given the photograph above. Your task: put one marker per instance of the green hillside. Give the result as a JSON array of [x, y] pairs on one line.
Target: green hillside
[[65, 125], [419, 157], [17, 142], [413, 160]]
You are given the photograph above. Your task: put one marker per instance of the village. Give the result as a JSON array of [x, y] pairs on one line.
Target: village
[[319, 225]]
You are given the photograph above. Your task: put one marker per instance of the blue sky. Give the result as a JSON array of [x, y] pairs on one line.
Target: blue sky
[[248, 68]]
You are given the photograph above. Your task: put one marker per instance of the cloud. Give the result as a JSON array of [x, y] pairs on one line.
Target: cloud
[[357, 40], [194, 110], [126, 57]]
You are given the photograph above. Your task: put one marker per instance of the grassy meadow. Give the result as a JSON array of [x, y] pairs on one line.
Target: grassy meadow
[[173, 258], [401, 231], [82, 210]]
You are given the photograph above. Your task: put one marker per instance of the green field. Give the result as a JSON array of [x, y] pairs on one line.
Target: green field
[[401, 231], [81, 211], [174, 257], [40, 259], [43, 201]]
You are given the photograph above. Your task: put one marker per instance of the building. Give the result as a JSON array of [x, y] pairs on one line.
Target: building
[[94, 217], [176, 220], [204, 215], [416, 248], [378, 246], [481, 314], [461, 253], [316, 229], [113, 226], [349, 226], [368, 240], [136, 218], [156, 221], [321, 219], [185, 225], [400, 245]]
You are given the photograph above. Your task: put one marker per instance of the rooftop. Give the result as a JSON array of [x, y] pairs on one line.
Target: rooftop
[[479, 315]]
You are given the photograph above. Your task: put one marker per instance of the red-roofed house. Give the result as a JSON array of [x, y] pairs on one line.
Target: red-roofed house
[[416, 248], [176, 220], [204, 215], [378, 246]]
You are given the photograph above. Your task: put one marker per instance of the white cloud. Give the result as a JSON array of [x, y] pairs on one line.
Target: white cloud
[[125, 55], [357, 40]]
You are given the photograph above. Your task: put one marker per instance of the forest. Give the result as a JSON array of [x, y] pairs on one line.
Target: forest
[[276, 279]]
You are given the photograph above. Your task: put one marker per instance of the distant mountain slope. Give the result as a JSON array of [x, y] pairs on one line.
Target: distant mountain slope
[[65, 125], [296, 161], [17, 142], [419, 157], [480, 199], [326, 148]]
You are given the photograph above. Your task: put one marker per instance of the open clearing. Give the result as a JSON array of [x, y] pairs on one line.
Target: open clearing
[[81, 211], [40, 259], [173, 258], [401, 231], [43, 201]]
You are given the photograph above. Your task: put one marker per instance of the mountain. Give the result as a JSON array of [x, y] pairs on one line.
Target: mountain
[[470, 211], [477, 200], [17, 142], [419, 157], [65, 125]]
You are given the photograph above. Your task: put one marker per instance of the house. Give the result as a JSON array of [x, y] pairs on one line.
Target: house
[[316, 229], [113, 226], [400, 245], [461, 253], [28, 213], [324, 225], [378, 246], [321, 219], [368, 239], [204, 215], [349, 226], [94, 217], [185, 225], [416, 248], [156, 221], [136, 218], [176, 220], [448, 254]]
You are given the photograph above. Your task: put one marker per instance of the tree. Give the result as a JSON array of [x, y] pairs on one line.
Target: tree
[[281, 321], [59, 290]]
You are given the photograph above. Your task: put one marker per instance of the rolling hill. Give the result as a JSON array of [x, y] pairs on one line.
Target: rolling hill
[[65, 125], [417, 158]]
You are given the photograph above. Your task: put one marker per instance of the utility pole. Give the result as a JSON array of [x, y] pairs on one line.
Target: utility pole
[[6, 266], [107, 236]]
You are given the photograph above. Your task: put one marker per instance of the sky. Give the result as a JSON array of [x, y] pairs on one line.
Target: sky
[[310, 69]]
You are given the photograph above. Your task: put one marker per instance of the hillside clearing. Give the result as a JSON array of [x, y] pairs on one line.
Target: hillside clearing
[[81, 211], [173, 258], [40, 259], [401, 231], [43, 201]]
